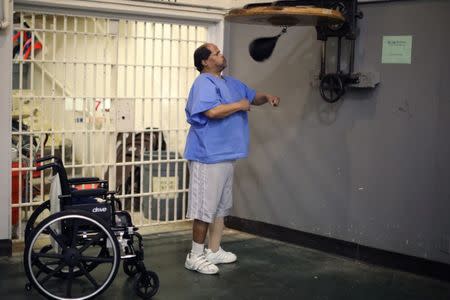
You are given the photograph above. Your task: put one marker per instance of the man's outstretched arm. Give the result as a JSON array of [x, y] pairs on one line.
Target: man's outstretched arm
[[224, 110], [262, 98]]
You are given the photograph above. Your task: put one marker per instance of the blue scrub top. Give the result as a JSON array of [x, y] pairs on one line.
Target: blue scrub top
[[216, 140]]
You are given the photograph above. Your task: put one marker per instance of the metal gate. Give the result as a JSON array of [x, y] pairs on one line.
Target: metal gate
[[108, 97]]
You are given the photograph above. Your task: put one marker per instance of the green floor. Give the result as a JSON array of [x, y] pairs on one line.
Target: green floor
[[266, 269]]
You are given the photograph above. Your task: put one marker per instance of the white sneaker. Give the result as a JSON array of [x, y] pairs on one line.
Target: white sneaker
[[220, 257], [200, 264]]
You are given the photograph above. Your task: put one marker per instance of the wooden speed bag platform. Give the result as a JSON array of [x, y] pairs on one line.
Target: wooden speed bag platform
[[285, 16]]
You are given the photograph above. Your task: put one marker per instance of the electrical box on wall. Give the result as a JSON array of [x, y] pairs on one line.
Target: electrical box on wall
[[124, 114]]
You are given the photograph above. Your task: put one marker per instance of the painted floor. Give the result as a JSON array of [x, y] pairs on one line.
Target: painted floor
[[266, 269]]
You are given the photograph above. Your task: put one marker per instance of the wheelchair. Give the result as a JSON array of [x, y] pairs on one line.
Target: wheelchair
[[75, 252]]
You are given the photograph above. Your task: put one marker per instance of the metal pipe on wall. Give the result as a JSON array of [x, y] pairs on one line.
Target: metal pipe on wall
[[323, 59], [351, 66], [6, 15]]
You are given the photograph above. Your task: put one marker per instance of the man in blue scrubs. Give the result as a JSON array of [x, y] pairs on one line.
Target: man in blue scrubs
[[217, 112]]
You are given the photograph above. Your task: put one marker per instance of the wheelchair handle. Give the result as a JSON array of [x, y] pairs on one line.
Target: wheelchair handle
[[47, 166], [48, 157]]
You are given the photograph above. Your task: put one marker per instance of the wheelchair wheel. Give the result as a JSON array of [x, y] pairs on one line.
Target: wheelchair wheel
[[73, 263], [147, 285], [89, 266], [31, 224]]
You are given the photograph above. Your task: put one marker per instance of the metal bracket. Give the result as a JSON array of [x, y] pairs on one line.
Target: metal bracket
[[365, 80]]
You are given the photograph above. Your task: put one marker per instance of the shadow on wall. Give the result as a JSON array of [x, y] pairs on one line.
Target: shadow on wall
[[299, 164]]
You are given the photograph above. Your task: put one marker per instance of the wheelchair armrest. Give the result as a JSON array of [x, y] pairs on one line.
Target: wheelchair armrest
[[81, 180]]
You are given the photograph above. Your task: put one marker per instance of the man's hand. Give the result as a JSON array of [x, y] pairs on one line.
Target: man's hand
[[273, 100]]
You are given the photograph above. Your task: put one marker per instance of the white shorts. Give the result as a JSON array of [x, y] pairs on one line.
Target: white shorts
[[210, 190]]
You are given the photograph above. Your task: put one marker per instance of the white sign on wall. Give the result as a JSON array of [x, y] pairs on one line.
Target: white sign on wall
[[396, 49]]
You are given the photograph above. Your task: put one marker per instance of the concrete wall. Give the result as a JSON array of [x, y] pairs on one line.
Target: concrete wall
[[5, 131], [372, 169]]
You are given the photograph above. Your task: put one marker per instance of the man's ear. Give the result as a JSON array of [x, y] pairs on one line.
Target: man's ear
[[204, 63]]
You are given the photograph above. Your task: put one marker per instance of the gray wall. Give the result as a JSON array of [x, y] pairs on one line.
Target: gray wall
[[5, 131], [372, 169]]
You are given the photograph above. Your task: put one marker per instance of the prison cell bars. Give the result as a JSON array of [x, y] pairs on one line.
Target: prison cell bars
[[89, 162]]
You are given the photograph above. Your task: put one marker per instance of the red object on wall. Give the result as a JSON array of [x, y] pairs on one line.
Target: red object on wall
[[15, 191]]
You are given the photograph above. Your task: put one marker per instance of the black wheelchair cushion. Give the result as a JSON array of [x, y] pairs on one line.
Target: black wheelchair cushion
[[88, 193], [79, 180]]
